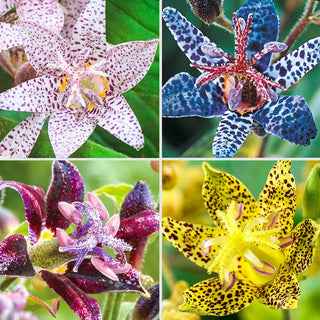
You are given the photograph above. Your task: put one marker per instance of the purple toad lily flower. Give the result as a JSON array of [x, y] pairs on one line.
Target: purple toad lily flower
[[80, 86], [62, 205], [242, 89]]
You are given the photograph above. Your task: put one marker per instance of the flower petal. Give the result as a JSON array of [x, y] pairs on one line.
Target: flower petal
[[5, 6], [46, 13], [279, 196], [66, 185], [231, 133], [220, 189], [83, 306], [127, 63], [180, 98], [14, 258], [10, 36], [90, 280], [281, 293], [300, 252], [292, 67], [265, 28], [118, 118], [35, 95], [289, 118], [137, 200], [35, 210], [18, 143], [72, 15], [207, 298], [67, 134], [188, 239], [189, 38]]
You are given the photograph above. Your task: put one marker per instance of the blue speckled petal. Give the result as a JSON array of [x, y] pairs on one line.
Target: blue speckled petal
[[289, 119], [265, 28], [189, 38], [231, 133], [180, 98], [289, 69]]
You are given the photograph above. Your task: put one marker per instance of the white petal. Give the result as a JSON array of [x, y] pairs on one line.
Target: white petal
[[10, 36]]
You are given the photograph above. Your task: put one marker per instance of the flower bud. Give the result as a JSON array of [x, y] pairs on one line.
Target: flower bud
[[206, 10]]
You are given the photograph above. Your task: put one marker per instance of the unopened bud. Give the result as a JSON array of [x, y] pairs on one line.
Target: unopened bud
[[206, 10]]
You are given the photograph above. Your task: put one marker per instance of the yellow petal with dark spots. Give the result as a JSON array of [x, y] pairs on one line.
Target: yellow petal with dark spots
[[279, 197], [207, 298], [188, 238], [220, 189]]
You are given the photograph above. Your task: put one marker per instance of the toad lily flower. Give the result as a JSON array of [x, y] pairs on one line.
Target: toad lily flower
[[79, 86], [55, 212], [252, 247], [242, 89]]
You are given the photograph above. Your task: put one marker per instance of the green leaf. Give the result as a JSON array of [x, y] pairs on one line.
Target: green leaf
[[116, 193], [22, 229]]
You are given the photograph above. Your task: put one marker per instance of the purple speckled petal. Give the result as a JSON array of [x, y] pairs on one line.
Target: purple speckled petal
[[72, 15], [118, 118], [14, 258], [45, 13], [10, 36], [66, 185], [67, 134], [36, 95], [127, 63], [35, 211], [89, 30], [5, 6], [90, 280], [137, 200], [85, 307], [18, 143], [42, 47]]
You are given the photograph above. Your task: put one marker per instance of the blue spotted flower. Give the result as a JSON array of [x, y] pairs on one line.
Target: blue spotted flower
[[244, 88]]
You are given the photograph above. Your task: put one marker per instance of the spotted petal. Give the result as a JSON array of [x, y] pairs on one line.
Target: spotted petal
[[180, 98], [231, 133], [279, 196], [189, 38], [118, 118], [127, 63], [188, 238], [289, 118], [85, 307], [67, 133], [10, 36], [5, 6], [265, 28], [207, 298], [46, 13], [36, 95], [300, 252], [281, 293], [18, 143], [220, 189], [35, 211], [292, 67], [66, 185], [14, 258]]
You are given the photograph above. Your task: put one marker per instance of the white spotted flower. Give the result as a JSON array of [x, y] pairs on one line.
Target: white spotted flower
[[79, 86]]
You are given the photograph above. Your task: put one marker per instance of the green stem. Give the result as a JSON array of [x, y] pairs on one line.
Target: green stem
[[167, 273], [117, 305], [286, 314], [6, 283], [263, 147], [224, 22], [108, 307]]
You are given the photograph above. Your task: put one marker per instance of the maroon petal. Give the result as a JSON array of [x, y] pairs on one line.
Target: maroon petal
[[14, 259], [90, 280], [66, 185], [137, 200], [33, 200], [83, 306]]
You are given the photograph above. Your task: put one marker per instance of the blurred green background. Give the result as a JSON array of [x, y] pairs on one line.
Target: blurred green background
[[192, 137], [96, 174], [187, 182]]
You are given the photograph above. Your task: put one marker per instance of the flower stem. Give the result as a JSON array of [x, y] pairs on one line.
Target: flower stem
[[167, 273], [224, 22], [263, 147], [6, 283], [112, 306], [286, 314], [300, 26], [116, 306]]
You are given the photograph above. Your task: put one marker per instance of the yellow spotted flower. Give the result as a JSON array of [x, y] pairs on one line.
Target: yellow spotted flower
[[252, 248]]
